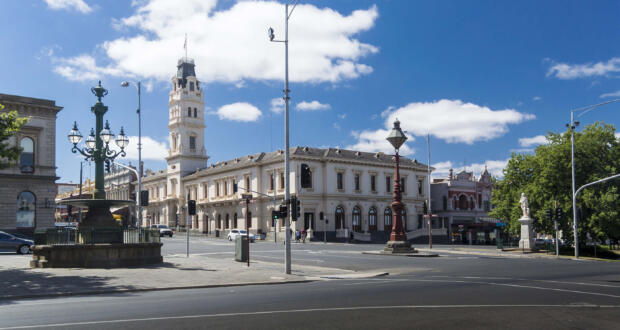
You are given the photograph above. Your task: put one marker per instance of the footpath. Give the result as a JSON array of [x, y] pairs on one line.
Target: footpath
[[19, 281]]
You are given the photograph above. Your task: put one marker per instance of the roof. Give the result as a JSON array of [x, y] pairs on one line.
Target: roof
[[7, 98]]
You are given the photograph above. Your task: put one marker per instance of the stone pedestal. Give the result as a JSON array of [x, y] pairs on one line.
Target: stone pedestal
[[527, 236], [394, 247], [310, 234]]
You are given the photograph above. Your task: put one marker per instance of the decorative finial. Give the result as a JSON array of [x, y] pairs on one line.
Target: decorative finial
[[99, 91]]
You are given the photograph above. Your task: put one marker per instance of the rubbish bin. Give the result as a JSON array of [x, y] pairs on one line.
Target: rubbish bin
[[241, 248], [217, 233]]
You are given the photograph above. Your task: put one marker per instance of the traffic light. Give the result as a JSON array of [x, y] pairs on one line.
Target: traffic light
[[283, 210], [549, 215], [191, 207], [107, 166], [144, 198], [295, 208], [558, 214], [306, 176]]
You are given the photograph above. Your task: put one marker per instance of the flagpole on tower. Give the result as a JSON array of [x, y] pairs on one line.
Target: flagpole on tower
[[185, 47]]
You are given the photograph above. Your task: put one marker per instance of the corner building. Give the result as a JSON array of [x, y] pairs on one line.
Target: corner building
[[343, 190]]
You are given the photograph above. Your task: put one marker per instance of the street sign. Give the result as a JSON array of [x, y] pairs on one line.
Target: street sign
[[246, 196]]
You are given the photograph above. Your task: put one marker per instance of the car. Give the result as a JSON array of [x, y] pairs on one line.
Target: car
[[232, 235], [163, 230], [14, 243]]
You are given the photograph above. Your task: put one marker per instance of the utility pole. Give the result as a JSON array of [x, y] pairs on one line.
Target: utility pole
[[557, 245], [428, 206], [80, 215]]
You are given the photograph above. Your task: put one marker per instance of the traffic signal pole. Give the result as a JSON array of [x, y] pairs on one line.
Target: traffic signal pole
[[557, 244]]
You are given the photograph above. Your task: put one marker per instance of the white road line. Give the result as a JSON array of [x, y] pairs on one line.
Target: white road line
[[309, 310], [526, 279]]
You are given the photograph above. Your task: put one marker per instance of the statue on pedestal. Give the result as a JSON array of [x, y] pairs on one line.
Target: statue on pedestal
[[527, 235], [524, 205]]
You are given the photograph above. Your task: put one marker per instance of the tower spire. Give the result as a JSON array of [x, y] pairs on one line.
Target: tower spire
[[185, 46]]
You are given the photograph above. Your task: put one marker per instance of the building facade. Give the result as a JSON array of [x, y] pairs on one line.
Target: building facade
[[341, 191], [27, 188], [463, 202]]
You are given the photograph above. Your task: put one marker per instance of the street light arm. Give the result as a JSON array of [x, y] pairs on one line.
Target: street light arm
[[88, 153], [596, 182], [589, 108], [112, 154]]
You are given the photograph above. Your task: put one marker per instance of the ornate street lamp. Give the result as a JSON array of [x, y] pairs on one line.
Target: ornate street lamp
[[398, 241], [95, 149]]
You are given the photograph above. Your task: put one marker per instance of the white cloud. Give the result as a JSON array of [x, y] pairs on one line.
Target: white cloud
[[336, 126], [78, 5], [574, 71], [342, 116], [84, 68], [536, 140], [522, 150], [151, 148], [277, 105], [312, 106], [374, 141], [231, 45], [612, 94], [495, 167], [617, 135], [240, 111], [536, 98], [454, 121]]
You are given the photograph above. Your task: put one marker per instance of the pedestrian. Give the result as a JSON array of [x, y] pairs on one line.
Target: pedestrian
[[297, 235], [304, 234]]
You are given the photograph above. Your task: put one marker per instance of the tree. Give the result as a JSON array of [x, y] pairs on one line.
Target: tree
[[10, 123], [545, 177]]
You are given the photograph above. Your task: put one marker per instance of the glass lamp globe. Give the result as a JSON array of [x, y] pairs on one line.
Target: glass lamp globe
[[106, 134], [396, 136], [121, 140], [91, 140], [75, 136]]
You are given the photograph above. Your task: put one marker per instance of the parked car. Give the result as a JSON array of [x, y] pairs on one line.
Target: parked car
[[13, 243], [163, 230], [232, 235]]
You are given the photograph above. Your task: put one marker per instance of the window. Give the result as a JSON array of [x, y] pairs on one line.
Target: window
[[402, 184], [225, 188], [271, 183], [235, 220], [205, 191], [471, 203], [26, 204], [191, 86], [445, 203], [454, 203], [339, 181], [356, 217], [26, 157], [372, 219], [192, 143], [247, 183], [281, 180], [387, 219], [487, 206], [340, 217], [420, 220], [373, 183], [219, 221], [388, 184], [420, 186], [479, 200], [306, 176], [227, 221], [217, 189], [195, 112], [189, 111], [357, 182], [462, 202]]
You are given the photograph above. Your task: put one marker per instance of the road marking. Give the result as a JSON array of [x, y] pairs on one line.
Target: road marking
[[309, 310], [525, 279]]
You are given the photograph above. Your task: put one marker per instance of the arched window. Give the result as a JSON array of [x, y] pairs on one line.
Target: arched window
[[192, 143], [462, 202], [340, 224], [227, 221], [235, 220], [26, 204], [357, 219], [387, 219], [372, 219], [445, 203], [26, 157], [219, 221], [403, 218]]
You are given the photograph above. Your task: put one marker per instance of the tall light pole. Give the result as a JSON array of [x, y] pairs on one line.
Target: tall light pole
[[572, 126], [428, 207], [138, 201], [398, 241], [287, 170]]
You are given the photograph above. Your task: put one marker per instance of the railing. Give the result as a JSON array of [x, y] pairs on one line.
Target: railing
[[77, 236]]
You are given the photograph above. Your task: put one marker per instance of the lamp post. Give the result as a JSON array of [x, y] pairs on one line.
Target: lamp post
[[287, 170], [572, 126], [138, 201], [398, 241], [95, 149]]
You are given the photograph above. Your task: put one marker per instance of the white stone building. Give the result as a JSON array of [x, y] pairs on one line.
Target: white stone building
[[346, 189]]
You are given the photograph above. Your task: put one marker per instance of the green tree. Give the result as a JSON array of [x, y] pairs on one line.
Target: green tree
[[10, 123], [545, 177]]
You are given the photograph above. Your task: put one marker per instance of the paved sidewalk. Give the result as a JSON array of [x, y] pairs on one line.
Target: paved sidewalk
[[17, 280]]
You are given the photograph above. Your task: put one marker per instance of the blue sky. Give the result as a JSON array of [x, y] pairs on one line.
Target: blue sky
[[484, 78]]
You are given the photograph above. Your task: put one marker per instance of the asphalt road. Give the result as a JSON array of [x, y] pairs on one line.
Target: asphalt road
[[451, 291]]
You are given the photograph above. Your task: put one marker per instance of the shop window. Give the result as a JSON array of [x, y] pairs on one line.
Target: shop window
[[26, 205]]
